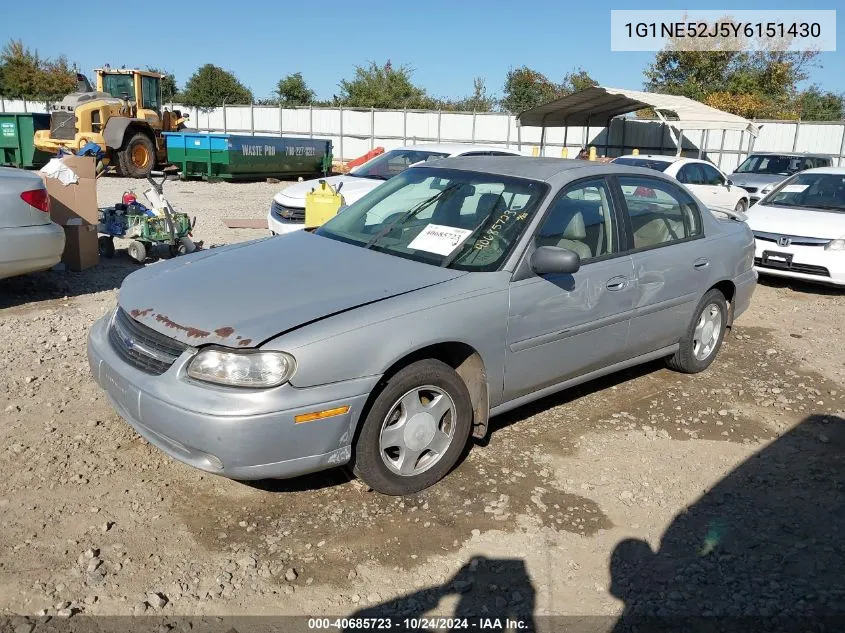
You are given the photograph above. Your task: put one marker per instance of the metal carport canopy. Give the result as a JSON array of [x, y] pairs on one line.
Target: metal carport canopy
[[602, 104]]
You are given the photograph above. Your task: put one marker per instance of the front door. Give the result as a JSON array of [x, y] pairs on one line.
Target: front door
[[563, 326], [670, 261]]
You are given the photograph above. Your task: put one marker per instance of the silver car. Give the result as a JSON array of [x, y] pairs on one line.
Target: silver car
[[763, 171], [390, 335]]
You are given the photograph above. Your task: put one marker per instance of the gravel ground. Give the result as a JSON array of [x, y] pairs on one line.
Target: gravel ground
[[648, 492]]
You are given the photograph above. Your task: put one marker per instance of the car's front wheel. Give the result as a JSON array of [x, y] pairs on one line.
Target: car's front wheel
[[741, 206], [415, 431], [703, 338]]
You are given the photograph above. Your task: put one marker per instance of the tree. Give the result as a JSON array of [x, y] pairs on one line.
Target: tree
[[26, 75], [526, 88], [169, 89], [293, 91], [478, 101], [211, 86], [576, 81], [384, 86], [815, 105], [758, 81]]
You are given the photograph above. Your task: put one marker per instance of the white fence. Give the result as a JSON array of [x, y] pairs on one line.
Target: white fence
[[355, 131]]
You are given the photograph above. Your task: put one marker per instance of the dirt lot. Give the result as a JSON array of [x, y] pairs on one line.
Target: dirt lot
[[650, 491]]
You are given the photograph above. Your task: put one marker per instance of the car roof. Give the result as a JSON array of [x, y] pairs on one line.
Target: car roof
[[824, 170], [456, 148], [533, 168], [660, 157], [797, 154]]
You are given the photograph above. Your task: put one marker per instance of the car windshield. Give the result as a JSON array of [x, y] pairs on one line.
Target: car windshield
[[814, 191], [453, 218], [659, 165], [392, 163], [774, 164]]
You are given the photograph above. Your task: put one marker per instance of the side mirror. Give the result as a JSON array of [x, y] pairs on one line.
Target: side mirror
[[339, 187], [729, 182], [548, 260]]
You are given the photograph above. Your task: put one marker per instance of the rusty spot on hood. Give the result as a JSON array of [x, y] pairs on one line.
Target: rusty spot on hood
[[223, 332], [139, 314], [192, 332], [244, 342]]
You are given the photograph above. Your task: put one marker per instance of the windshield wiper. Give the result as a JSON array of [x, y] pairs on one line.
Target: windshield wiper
[[371, 176], [411, 212], [459, 251]]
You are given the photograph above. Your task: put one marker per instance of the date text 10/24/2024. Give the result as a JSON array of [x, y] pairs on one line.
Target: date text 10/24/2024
[[418, 624]]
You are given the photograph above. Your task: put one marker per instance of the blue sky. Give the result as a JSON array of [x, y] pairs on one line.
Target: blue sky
[[447, 43]]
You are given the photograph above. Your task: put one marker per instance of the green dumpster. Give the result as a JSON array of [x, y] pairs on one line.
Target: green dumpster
[[234, 157], [17, 133]]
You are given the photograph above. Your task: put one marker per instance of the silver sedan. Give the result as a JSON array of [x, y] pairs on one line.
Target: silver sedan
[[389, 336]]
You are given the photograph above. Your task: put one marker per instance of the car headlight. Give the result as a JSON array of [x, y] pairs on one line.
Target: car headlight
[[835, 245], [766, 189], [241, 368]]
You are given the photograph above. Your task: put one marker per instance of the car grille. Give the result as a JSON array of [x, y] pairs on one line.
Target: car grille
[[807, 269], [62, 125], [794, 240], [751, 189], [287, 214], [143, 347]]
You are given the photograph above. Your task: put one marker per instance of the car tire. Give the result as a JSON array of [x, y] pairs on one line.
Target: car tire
[[741, 206], [704, 336], [430, 395]]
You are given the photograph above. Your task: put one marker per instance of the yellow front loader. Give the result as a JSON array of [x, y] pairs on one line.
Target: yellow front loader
[[124, 116]]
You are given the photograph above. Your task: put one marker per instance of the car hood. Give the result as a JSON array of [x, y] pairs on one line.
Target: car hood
[[243, 294], [353, 189], [827, 225], [756, 180]]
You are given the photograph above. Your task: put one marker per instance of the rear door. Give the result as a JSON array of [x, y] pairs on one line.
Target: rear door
[[670, 260], [563, 326]]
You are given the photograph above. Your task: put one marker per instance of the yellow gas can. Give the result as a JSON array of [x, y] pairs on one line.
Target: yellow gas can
[[321, 204]]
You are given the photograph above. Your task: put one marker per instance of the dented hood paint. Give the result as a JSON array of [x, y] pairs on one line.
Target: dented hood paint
[[243, 294]]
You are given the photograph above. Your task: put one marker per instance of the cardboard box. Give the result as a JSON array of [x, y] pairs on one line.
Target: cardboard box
[[81, 248], [77, 200]]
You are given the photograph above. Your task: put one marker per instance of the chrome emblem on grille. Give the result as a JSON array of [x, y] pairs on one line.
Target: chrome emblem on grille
[[784, 241]]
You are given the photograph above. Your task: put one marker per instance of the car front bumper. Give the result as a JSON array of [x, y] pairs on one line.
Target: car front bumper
[[238, 433], [280, 226], [810, 263]]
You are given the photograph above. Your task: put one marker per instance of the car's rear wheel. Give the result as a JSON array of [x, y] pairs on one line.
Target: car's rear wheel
[[703, 338], [415, 431]]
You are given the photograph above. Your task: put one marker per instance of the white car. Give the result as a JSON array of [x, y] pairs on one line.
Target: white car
[[287, 211], [799, 228], [705, 180], [29, 240]]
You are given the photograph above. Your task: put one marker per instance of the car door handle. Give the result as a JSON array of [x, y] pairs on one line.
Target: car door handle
[[699, 264], [617, 283]]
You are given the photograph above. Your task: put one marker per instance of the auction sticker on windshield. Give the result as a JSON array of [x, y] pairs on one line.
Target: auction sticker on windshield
[[794, 188], [439, 239]]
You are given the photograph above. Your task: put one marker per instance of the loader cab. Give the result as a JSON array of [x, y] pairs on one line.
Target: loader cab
[[142, 88]]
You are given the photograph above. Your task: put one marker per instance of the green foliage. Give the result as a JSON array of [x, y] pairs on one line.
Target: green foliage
[[169, 89], [526, 88], [24, 74], [761, 81], [384, 86], [815, 105], [211, 86], [293, 91]]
